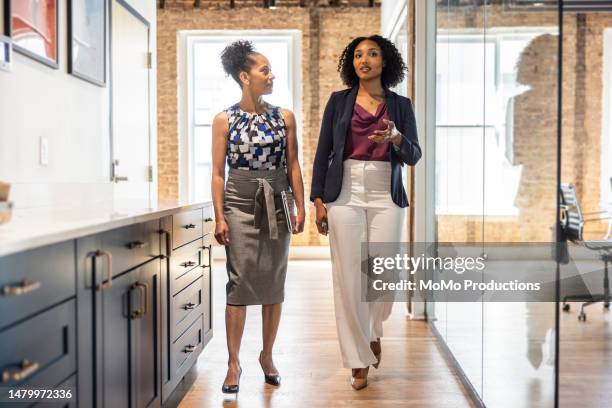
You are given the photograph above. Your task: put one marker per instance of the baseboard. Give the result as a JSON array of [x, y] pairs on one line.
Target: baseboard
[[450, 358]]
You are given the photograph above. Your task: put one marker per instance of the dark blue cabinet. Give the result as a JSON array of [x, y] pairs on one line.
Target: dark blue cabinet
[[186, 293], [129, 333], [119, 318], [112, 315]]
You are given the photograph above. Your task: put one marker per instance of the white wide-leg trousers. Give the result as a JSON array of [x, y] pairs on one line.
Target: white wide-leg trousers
[[363, 212]]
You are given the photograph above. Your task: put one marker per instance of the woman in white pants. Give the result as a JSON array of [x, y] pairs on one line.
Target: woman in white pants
[[368, 133]]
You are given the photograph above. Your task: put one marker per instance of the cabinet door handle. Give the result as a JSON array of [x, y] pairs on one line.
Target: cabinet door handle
[[21, 288], [143, 288], [189, 306], [137, 245], [189, 226], [26, 369], [168, 238], [207, 248], [189, 348], [188, 264], [208, 219], [109, 271]]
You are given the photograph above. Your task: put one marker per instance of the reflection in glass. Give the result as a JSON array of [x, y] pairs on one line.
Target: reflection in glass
[[520, 200], [496, 146], [460, 97], [585, 365]]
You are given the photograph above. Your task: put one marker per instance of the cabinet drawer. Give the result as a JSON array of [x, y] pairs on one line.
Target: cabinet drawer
[[34, 280], [208, 212], [185, 304], [186, 349], [132, 246], [208, 225], [185, 266], [207, 219], [41, 350], [186, 227]]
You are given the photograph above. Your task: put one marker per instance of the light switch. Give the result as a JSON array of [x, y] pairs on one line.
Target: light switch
[[44, 151]]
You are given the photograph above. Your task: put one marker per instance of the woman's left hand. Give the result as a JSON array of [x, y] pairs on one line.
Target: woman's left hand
[[390, 134], [299, 221]]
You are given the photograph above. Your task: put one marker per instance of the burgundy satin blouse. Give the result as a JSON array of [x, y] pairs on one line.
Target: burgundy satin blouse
[[363, 124]]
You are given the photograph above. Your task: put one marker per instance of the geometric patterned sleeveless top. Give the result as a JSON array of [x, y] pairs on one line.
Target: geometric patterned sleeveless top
[[256, 141]]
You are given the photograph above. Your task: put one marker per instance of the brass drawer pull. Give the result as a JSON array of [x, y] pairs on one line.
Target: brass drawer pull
[[189, 226], [109, 271], [189, 306], [21, 288], [188, 264], [26, 369], [137, 245], [144, 300], [189, 348]]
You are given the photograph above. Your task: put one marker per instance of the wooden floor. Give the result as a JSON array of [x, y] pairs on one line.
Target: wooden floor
[[585, 358], [413, 372]]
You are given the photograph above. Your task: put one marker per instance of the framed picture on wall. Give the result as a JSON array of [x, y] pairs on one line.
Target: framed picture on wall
[[87, 40], [32, 25]]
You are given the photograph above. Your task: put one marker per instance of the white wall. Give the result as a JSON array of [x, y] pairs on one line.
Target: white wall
[[35, 101]]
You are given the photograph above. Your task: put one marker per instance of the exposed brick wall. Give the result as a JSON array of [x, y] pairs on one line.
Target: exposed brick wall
[[535, 124], [325, 32], [225, 4]]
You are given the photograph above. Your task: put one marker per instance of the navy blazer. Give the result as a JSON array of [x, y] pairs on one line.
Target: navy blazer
[[328, 163]]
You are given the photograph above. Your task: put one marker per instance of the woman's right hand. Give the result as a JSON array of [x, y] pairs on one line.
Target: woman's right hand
[[222, 232], [321, 217]]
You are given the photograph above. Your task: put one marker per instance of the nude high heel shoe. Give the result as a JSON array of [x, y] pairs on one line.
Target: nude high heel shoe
[[359, 378]]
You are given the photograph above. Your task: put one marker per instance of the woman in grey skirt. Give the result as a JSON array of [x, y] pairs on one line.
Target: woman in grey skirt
[[258, 143]]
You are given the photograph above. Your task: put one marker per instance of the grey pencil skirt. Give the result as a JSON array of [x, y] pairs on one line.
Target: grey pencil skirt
[[258, 237]]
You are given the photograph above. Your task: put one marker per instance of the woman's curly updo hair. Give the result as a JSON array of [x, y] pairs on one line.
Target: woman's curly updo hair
[[394, 68], [238, 57]]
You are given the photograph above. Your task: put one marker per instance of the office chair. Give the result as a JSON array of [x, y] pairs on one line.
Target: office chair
[[572, 225]]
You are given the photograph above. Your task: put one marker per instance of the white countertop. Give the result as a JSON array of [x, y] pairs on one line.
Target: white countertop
[[32, 228]]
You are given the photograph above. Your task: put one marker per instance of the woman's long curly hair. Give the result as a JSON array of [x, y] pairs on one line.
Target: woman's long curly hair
[[394, 68]]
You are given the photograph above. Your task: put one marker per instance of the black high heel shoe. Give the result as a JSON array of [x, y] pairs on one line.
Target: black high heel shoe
[[232, 388], [272, 379]]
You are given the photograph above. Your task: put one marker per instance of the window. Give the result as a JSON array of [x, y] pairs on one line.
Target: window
[[208, 91], [470, 132]]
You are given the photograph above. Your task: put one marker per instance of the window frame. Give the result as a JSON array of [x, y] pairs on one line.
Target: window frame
[[187, 39]]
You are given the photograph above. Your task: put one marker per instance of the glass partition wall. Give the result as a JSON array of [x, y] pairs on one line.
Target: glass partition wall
[[496, 184], [585, 351], [512, 163]]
